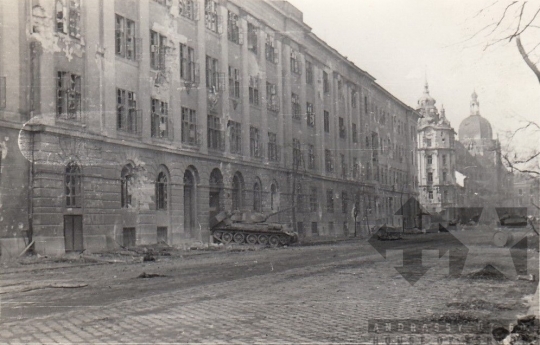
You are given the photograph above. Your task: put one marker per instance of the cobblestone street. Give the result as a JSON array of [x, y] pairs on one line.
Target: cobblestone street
[[324, 293]]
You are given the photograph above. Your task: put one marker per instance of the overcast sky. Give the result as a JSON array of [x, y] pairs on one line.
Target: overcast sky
[[399, 41]]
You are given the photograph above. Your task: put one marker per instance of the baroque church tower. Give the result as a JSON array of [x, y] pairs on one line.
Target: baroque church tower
[[436, 156]]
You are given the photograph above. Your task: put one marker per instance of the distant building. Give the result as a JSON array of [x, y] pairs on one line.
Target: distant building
[[436, 156], [487, 181], [459, 173]]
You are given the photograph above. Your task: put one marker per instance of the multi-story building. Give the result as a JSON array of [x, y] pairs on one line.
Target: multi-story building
[[459, 173], [436, 156], [130, 122], [487, 182]]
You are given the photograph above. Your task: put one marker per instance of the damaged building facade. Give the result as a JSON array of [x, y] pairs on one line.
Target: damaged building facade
[[134, 122]]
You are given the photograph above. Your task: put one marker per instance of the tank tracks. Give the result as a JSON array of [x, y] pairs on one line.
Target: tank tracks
[[253, 238]]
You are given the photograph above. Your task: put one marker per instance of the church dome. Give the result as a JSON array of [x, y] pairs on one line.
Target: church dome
[[475, 126]]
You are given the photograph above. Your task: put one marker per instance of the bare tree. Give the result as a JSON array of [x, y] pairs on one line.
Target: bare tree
[[519, 21]]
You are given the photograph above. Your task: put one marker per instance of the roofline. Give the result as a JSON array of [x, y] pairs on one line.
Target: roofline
[[403, 104], [309, 33]]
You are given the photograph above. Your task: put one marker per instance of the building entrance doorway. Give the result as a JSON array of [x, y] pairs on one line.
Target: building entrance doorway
[[214, 197], [189, 204], [73, 233]]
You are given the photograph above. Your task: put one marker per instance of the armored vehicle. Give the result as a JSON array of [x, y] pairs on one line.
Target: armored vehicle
[[250, 227]]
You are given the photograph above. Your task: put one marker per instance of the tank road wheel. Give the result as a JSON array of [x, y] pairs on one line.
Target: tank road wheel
[[251, 239], [238, 237], [283, 240], [274, 241], [263, 239], [226, 237], [217, 235]]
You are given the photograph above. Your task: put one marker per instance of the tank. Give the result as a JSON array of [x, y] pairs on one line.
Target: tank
[[387, 233], [248, 227]]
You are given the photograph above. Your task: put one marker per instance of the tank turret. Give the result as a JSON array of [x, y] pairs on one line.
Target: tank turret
[[251, 227]]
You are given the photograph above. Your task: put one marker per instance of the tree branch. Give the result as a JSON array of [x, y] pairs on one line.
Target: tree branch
[[526, 58], [528, 159], [529, 23], [502, 17]]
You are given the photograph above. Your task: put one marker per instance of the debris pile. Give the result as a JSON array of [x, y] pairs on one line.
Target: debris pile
[[525, 331], [150, 275], [488, 273], [478, 304]]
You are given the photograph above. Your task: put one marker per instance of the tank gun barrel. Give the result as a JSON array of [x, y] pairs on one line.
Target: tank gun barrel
[[278, 212]]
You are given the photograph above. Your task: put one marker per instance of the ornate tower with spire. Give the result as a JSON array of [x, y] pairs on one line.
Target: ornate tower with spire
[[489, 179], [475, 132], [436, 156]]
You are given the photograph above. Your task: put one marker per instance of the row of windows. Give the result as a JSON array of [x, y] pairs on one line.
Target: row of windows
[[430, 177], [310, 202], [443, 198], [68, 14], [429, 159], [73, 193], [73, 187]]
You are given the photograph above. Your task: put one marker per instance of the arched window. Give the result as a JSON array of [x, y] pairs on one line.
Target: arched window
[[237, 192], [257, 200], [273, 197], [126, 185], [161, 191], [73, 185]]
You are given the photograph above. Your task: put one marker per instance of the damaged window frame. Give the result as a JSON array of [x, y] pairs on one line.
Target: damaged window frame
[[125, 40], [330, 201], [310, 115], [234, 82], [212, 20], [272, 99], [188, 9], [270, 49], [234, 31], [309, 72], [126, 111], [254, 90], [328, 159], [235, 137], [68, 96], [188, 66], [326, 115], [298, 159], [273, 153], [253, 39], [255, 143], [296, 107], [189, 127], [159, 115], [212, 74], [214, 133], [158, 46], [296, 67], [311, 156], [68, 18]]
